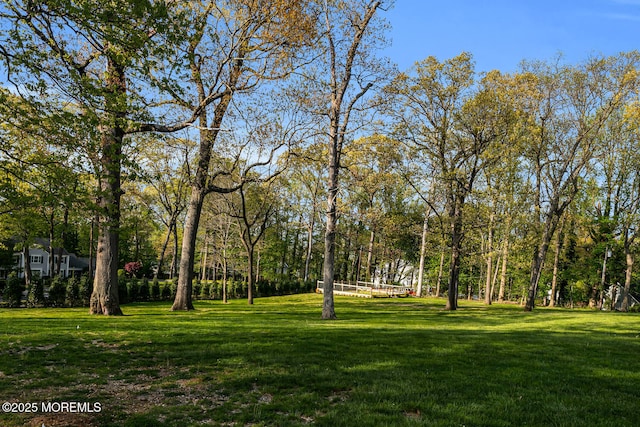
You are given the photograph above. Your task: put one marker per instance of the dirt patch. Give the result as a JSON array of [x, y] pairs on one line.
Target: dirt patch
[[62, 420]]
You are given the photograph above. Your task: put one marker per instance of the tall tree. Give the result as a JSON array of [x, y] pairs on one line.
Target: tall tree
[[92, 89], [442, 113], [232, 47], [348, 33], [252, 210], [568, 108]]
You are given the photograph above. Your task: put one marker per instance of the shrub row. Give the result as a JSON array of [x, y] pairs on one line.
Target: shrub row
[[56, 292], [76, 291]]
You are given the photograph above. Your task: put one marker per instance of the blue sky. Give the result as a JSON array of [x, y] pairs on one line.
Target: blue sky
[[501, 33]]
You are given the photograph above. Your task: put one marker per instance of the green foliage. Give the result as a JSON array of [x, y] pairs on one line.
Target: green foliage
[[155, 289], [73, 296], [167, 290], [86, 288], [196, 289], [123, 291], [204, 290], [12, 293], [36, 298], [57, 292], [143, 290], [132, 290]]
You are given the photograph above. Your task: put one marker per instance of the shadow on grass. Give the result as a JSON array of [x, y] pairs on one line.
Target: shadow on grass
[[382, 363]]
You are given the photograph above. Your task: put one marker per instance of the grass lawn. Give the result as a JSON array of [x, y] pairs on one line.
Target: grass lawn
[[384, 362]]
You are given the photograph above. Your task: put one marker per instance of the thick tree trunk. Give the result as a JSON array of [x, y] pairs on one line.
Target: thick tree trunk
[[183, 299], [454, 271], [104, 298], [328, 272]]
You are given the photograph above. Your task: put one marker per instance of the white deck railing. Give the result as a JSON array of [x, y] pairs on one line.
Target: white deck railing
[[364, 289]]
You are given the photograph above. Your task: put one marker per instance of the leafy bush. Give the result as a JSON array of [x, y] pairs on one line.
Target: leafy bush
[[86, 288], [123, 293], [132, 290], [36, 294], [57, 292], [73, 292], [204, 290], [12, 293], [143, 290], [166, 291], [195, 290], [155, 289]]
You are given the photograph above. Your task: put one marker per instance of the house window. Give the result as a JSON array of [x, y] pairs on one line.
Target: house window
[[16, 260], [36, 259], [64, 259]]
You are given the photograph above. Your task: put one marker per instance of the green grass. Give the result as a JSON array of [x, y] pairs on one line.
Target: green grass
[[384, 362]]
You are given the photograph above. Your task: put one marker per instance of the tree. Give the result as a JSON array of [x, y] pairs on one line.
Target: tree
[[567, 110], [347, 39], [253, 42], [252, 210], [167, 175], [455, 125], [90, 90]]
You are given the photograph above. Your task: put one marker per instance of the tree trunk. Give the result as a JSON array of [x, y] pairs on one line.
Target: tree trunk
[[250, 278], [627, 277], [440, 272], [104, 298], [556, 263], [307, 260], [503, 272], [423, 250], [52, 264], [456, 245], [487, 292], [328, 271], [91, 246], [63, 238], [372, 238], [537, 264], [183, 299], [28, 276], [224, 276], [203, 262], [174, 260], [163, 251]]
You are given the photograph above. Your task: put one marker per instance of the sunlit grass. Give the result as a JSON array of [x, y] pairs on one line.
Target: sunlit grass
[[383, 362]]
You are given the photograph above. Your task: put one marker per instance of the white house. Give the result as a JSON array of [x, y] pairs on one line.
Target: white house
[[39, 261]]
